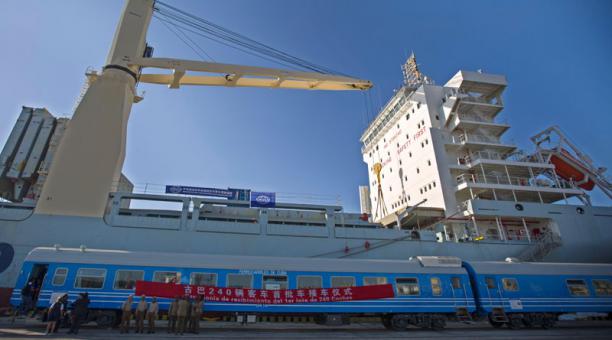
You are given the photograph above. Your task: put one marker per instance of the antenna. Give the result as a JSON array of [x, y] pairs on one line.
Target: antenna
[[413, 78]]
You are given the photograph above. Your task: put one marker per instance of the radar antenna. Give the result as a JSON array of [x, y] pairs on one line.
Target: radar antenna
[[413, 78]]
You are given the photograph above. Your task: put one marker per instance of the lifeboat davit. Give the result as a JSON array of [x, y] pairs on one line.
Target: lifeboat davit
[[569, 168]]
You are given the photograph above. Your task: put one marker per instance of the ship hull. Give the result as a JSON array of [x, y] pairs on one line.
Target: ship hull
[[587, 240]]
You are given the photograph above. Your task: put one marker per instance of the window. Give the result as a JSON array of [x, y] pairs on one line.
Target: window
[[436, 287], [407, 116], [418, 125], [427, 141], [429, 186], [578, 288], [126, 279], [370, 281], [167, 277], [92, 278], [274, 282], [309, 282], [456, 282], [490, 282], [59, 278], [602, 287], [407, 286], [203, 279], [342, 281], [239, 280], [410, 154], [510, 285], [417, 170], [429, 162], [418, 105]]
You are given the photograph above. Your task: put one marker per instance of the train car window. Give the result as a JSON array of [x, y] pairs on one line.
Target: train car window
[[306, 281], [342, 281], [407, 286], [577, 287], [436, 287], [602, 287], [239, 280], [59, 277], [203, 279], [167, 277], [90, 278], [274, 282], [371, 281], [126, 279], [490, 282], [456, 282], [510, 285]]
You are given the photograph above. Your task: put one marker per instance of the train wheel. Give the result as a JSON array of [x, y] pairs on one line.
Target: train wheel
[[399, 323], [495, 324], [438, 323], [548, 322], [386, 321], [106, 319], [515, 323]]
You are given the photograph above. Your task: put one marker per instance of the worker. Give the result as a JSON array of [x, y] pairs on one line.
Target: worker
[[196, 314], [181, 315], [172, 315], [126, 314], [79, 313], [152, 315], [141, 310]]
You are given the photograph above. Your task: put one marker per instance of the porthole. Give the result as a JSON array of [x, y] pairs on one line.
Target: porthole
[[580, 210], [519, 207]]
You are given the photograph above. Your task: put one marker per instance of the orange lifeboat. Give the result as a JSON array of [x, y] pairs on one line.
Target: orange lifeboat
[[569, 168]]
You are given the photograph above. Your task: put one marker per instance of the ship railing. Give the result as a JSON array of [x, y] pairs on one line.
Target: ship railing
[[468, 97], [509, 180], [491, 155], [466, 138]]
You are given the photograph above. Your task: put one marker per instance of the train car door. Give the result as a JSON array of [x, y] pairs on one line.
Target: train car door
[[459, 293], [36, 279]]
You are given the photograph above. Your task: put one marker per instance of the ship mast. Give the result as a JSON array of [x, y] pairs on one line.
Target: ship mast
[[90, 156]]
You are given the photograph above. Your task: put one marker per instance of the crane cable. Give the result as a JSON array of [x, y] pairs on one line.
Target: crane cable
[[232, 39]]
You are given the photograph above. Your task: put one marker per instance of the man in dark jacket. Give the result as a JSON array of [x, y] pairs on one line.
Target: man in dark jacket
[[80, 310]]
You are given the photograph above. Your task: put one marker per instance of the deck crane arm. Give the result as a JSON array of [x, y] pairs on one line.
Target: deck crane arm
[[90, 156], [242, 76]]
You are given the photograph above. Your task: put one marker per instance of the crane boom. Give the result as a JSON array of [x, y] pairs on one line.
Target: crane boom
[[242, 76]]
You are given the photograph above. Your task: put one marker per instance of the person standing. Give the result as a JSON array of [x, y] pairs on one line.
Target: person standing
[[196, 315], [141, 310], [26, 301], [181, 314], [172, 315], [152, 315], [53, 316], [80, 309], [126, 315]]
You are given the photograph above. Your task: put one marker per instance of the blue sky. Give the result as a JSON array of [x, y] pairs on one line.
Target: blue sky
[[556, 55]]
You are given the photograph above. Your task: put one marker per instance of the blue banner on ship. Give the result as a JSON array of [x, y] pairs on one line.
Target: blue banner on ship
[[263, 199], [185, 190]]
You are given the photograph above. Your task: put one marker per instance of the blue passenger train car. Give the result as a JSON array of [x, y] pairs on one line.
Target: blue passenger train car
[[526, 293], [428, 290]]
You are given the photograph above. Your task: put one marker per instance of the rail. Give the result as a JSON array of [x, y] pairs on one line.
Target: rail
[[512, 180], [466, 138]]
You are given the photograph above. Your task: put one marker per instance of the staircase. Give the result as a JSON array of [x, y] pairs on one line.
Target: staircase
[[543, 246]]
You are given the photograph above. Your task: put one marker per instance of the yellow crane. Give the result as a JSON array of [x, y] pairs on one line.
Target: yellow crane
[[90, 156]]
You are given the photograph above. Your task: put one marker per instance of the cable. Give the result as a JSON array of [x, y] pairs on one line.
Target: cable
[[232, 39], [183, 40]]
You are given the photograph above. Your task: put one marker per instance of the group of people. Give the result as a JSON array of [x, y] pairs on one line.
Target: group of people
[[58, 311], [183, 315]]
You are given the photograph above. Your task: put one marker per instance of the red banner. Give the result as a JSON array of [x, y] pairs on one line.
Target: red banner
[[264, 296]]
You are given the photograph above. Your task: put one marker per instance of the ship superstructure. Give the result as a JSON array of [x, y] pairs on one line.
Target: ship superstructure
[[443, 148]]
